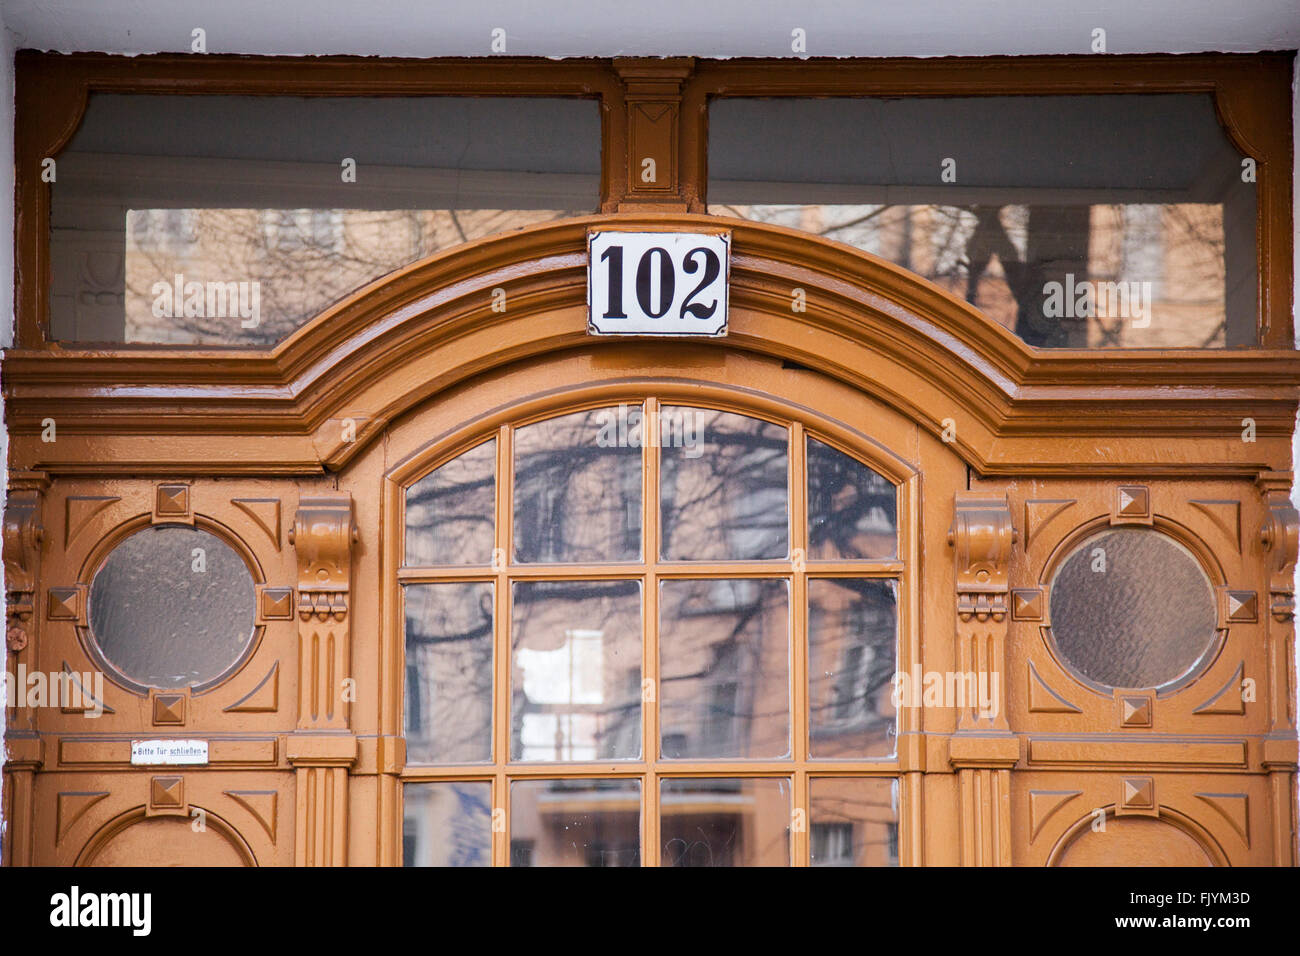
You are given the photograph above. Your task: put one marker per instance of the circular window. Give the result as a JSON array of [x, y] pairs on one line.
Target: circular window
[[1132, 608], [172, 606]]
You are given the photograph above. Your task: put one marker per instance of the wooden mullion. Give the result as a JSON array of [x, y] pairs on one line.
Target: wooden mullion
[[501, 647], [798, 612], [650, 843]]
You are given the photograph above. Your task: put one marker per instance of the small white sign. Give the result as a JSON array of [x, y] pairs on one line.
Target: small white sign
[[658, 283], [169, 751]]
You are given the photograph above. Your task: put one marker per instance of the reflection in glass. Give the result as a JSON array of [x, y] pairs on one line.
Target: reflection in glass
[[575, 823], [853, 821], [1133, 608], [172, 606], [576, 670], [450, 512], [723, 486], [735, 821], [448, 672], [1145, 239], [245, 199], [447, 824], [852, 659], [724, 664], [852, 511], [578, 488]]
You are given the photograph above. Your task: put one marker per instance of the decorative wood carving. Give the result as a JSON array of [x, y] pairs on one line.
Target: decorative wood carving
[[1280, 537], [653, 101], [1131, 505], [1136, 708], [79, 510], [1235, 808], [265, 512], [1226, 516], [264, 698], [982, 537], [1044, 700], [322, 749], [23, 537], [171, 505], [1043, 804], [1039, 512], [1228, 699], [1137, 796]]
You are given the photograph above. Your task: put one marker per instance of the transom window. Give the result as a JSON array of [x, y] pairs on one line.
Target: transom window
[[651, 634]]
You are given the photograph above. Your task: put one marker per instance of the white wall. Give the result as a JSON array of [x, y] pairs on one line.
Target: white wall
[[716, 28]]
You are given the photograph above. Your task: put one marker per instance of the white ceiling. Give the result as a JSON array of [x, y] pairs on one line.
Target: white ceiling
[[712, 28]]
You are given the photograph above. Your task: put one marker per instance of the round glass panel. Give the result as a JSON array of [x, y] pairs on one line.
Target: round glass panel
[[172, 606], [1132, 608]]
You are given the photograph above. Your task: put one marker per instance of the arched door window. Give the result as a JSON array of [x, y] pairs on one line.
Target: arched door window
[[651, 634]]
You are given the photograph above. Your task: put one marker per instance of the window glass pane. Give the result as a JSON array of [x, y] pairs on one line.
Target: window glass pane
[[724, 493], [172, 606], [852, 659], [724, 665], [852, 511], [578, 489], [268, 209], [450, 513], [449, 672], [447, 824], [853, 821], [726, 821], [1074, 221], [575, 823], [576, 670], [1133, 608]]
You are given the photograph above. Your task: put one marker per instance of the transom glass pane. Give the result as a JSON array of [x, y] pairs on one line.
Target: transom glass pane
[[575, 822], [853, 821], [447, 824], [852, 659], [725, 821], [1146, 238], [576, 670], [577, 491], [449, 672], [450, 513], [724, 666], [233, 220], [852, 510], [724, 494]]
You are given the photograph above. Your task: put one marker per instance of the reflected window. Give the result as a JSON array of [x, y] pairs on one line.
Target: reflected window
[[447, 824], [233, 220], [1106, 221], [620, 644]]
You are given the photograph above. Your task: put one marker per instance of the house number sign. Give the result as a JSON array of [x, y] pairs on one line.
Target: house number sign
[[658, 283]]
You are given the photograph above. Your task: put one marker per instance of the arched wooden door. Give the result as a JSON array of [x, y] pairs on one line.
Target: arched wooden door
[[449, 607]]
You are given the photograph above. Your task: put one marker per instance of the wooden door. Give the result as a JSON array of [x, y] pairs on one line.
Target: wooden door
[[292, 535]]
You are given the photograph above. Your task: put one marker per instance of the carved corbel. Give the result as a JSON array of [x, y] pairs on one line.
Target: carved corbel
[[322, 535], [983, 750], [23, 536], [1280, 537], [322, 749]]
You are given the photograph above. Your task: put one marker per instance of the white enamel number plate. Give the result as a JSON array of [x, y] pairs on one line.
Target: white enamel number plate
[[658, 283]]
